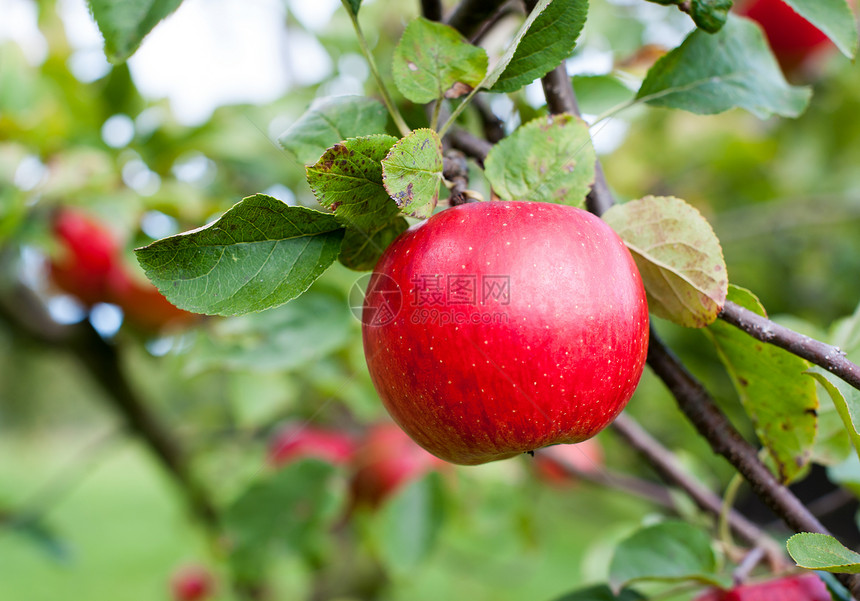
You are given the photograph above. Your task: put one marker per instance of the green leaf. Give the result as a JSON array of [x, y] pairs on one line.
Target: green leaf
[[549, 159], [712, 73], [291, 509], [773, 389], [412, 172], [282, 339], [846, 335], [678, 255], [259, 254], [822, 552], [432, 60], [845, 398], [601, 592], [348, 180], [330, 120], [410, 523], [549, 41], [597, 94], [124, 23], [508, 55], [834, 18], [668, 551], [361, 249]]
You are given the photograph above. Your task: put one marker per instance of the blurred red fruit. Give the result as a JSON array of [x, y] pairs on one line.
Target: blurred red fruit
[[192, 583], [792, 38], [386, 460], [799, 587], [296, 442], [550, 462], [88, 255]]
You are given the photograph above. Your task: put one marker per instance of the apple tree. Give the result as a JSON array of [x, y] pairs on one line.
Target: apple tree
[[494, 245]]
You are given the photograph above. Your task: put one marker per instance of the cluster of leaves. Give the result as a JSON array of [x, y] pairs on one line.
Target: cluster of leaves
[[262, 252]]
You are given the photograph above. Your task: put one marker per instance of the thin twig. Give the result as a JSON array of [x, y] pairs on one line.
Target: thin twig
[[431, 9], [472, 146], [824, 355], [667, 465], [469, 16]]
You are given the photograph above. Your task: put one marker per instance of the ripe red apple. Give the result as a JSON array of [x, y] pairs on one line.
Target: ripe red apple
[[496, 328], [387, 460], [192, 583], [552, 463], [798, 587], [88, 253], [792, 38], [296, 442]]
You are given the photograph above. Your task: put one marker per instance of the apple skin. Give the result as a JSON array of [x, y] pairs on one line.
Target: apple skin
[[553, 361], [798, 587], [88, 254], [586, 456], [296, 442], [385, 461], [192, 583], [792, 38]]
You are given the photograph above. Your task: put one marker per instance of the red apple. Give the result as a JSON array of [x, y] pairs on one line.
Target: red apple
[[192, 583], [798, 587], [387, 460], [497, 328], [792, 38], [296, 442], [88, 253], [552, 464]]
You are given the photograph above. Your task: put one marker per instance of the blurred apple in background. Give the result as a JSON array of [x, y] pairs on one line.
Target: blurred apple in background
[[89, 266], [553, 464], [192, 583], [386, 460], [797, 587], [793, 39], [88, 254], [295, 442]]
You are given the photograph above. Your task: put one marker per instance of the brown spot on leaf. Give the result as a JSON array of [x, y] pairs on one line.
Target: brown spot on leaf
[[458, 89]]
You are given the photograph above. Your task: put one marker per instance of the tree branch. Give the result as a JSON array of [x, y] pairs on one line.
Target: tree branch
[[703, 413], [432, 9], [824, 355], [667, 465], [469, 16], [692, 397], [25, 315]]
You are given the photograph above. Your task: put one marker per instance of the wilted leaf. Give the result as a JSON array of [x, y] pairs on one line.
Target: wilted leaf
[[779, 398], [259, 254], [124, 23], [712, 73], [668, 551], [678, 255], [549, 159], [432, 60], [330, 120], [412, 172], [822, 552], [549, 41]]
